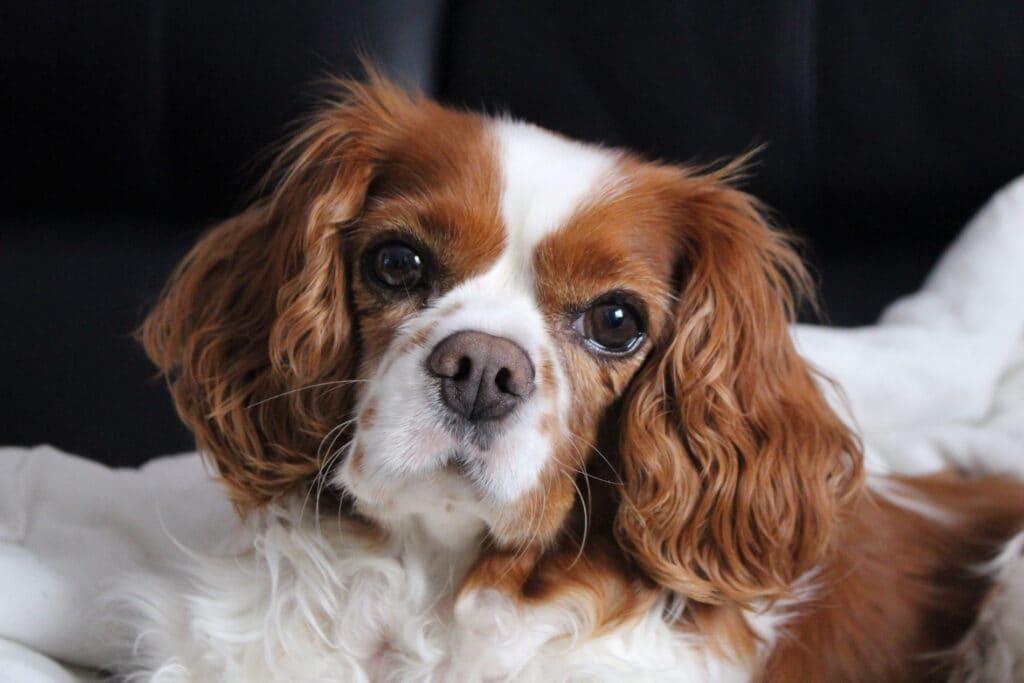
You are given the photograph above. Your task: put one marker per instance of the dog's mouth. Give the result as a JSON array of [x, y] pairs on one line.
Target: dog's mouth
[[479, 435], [465, 467], [458, 463]]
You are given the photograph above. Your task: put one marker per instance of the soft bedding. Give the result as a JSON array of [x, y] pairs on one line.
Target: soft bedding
[[937, 382]]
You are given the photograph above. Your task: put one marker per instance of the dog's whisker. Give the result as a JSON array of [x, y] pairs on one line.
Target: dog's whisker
[[586, 520], [323, 465], [322, 477], [607, 461], [572, 474], [333, 383], [337, 431]]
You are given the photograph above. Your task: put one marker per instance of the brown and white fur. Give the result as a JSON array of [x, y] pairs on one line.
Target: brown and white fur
[[689, 508]]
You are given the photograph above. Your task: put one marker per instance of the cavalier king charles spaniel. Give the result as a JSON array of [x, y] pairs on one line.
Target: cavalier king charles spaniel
[[494, 404]]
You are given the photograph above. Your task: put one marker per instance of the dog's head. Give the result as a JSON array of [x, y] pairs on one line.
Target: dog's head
[[434, 308]]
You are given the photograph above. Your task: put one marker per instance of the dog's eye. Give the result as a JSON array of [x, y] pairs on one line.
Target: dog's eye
[[397, 266], [613, 326]]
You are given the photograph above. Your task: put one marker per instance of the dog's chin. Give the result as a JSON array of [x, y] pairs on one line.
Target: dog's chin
[[444, 474], [440, 491]]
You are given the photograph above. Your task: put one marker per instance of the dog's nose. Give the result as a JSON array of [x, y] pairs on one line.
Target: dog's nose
[[483, 377]]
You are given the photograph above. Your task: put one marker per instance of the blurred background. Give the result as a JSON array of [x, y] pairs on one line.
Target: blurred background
[[128, 126]]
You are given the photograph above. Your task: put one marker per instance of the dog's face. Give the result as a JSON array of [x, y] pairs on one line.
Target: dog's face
[[507, 284], [438, 309]]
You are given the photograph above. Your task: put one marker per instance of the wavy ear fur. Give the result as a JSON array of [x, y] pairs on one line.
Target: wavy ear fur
[[735, 466], [253, 331]]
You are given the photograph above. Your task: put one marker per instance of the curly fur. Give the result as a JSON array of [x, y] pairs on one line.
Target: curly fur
[[689, 510]]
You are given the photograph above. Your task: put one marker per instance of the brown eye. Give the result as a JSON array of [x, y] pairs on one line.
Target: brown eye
[[612, 326], [397, 266]]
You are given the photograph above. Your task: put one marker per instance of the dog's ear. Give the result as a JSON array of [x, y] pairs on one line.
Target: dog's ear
[[734, 465], [254, 330]]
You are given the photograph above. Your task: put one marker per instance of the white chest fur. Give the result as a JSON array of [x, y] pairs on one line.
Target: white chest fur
[[319, 601]]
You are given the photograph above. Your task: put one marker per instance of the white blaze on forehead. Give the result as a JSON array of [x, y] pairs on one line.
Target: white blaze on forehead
[[545, 178]]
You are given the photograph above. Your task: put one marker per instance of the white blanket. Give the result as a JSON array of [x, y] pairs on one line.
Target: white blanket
[[939, 380]]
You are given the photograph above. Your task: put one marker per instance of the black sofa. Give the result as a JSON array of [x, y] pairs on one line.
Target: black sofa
[[130, 125]]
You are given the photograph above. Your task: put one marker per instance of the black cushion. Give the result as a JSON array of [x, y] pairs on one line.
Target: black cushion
[[167, 108], [72, 294], [886, 124]]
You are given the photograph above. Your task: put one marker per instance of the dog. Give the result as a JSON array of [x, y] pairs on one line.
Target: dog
[[495, 405]]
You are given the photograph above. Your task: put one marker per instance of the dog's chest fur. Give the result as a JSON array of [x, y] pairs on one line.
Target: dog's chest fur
[[321, 600]]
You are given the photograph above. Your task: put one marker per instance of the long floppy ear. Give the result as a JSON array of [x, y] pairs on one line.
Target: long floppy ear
[[735, 467], [253, 331]]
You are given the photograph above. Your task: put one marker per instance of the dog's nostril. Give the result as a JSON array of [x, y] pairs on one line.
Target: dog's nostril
[[463, 370], [503, 380]]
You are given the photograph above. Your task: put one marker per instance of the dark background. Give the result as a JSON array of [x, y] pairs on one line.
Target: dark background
[[127, 126]]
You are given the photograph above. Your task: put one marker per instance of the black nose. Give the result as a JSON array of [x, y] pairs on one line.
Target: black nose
[[483, 377]]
